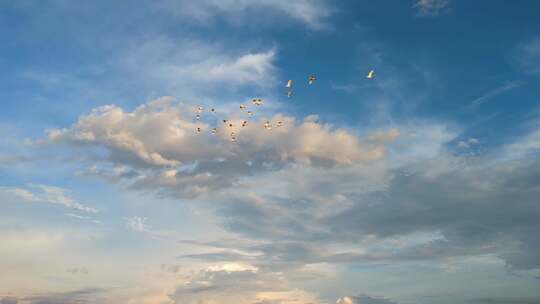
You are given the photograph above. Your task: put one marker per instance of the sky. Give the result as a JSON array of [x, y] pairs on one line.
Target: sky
[[419, 185]]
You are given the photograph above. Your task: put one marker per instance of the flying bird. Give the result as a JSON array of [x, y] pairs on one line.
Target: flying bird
[[267, 125], [257, 101], [198, 117], [244, 123], [289, 88], [200, 109], [371, 74], [214, 130], [198, 130], [249, 113], [311, 79], [279, 124], [242, 107], [289, 84]]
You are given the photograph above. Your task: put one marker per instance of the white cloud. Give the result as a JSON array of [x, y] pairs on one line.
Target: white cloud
[[159, 142], [37, 193], [528, 56], [312, 13], [430, 7], [195, 69], [524, 146], [232, 267], [466, 144], [137, 224], [216, 68], [242, 287], [507, 86], [383, 136], [344, 300]]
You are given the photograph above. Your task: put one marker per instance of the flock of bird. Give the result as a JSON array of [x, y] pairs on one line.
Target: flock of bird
[[258, 102]]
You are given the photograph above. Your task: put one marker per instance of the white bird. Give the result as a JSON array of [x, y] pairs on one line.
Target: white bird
[[214, 130], [267, 125], [242, 107], [289, 84], [249, 113], [311, 79], [198, 117], [371, 74], [200, 109], [257, 101], [289, 93], [198, 130]]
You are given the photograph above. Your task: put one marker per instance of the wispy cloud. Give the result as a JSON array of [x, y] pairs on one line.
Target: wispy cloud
[[76, 296], [137, 223], [505, 87], [528, 56], [430, 7], [466, 144], [37, 193], [84, 218], [312, 13]]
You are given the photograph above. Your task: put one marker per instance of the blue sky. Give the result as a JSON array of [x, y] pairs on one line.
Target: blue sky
[[417, 186]]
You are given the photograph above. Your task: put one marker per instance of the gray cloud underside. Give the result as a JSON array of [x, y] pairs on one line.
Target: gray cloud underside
[[476, 210]]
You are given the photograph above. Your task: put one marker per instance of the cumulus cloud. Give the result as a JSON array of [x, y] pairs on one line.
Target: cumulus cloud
[[344, 300], [430, 7], [239, 286], [159, 144], [37, 193]]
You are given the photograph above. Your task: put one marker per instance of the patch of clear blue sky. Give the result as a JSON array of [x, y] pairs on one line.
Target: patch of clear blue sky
[[429, 68]]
